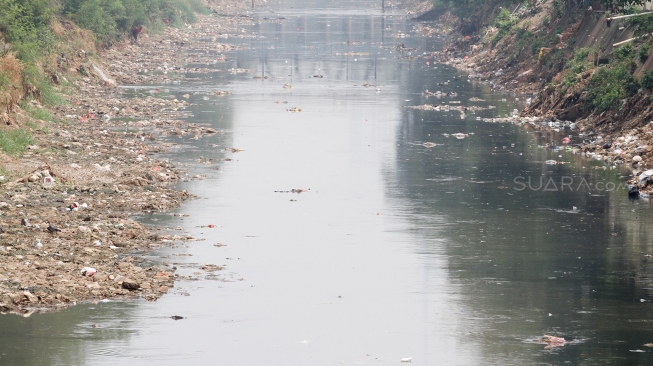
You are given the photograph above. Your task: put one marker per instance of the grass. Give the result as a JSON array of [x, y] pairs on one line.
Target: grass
[[38, 113], [14, 142]]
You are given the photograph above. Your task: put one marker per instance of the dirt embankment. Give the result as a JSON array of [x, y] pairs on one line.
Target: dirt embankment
[[65, 229], [532, 55]]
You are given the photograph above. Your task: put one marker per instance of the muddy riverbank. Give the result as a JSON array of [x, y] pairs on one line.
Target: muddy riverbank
[[66, 232], [539, 74]]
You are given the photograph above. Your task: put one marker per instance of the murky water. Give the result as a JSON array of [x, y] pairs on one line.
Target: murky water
[[457, 254]]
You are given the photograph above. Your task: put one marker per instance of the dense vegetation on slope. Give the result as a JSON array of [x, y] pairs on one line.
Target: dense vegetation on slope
[[33, 42], [583, 70]]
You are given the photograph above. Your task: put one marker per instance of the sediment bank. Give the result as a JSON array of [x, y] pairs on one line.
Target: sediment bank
[[534, 52], [67, 235]]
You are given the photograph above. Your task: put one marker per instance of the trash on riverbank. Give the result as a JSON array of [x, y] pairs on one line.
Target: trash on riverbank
[[78, 235], [447, 108], [211, 267]]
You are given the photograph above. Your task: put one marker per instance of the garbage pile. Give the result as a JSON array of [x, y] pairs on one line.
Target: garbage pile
[[66, 235]]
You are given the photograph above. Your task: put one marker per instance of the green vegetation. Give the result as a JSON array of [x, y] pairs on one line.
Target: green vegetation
[[504, 23], [609, 86], [624, 53], [23, 23], [577, 65], [38, 114], [463, 8], [558, 8], [29, 40], [5, 79], [622, 4], [614, 83], [112, 19], [647, 80], [642, 53], [47, 94], [14, 142]]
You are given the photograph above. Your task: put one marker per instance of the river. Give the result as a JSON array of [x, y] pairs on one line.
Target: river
[[459, 253]]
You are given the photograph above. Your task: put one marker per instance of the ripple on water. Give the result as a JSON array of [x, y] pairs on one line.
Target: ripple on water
[[140, 354]]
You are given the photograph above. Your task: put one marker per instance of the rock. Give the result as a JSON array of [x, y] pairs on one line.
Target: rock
[[19, 198], [130, 285]]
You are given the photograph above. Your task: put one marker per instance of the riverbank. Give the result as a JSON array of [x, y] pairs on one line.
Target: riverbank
[[562, 63], [66, 209]]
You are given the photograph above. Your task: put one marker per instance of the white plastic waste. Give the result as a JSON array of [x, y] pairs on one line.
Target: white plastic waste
[[88, 271]]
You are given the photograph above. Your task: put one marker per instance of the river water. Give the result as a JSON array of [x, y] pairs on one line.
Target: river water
[[458, 254]]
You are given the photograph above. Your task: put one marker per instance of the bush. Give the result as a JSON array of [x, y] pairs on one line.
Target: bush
[[577, 65], [558, 8], [647, 80], [607, 87], [504, 23], [624, 53], [642, 53], [21, 23], [112, 19]]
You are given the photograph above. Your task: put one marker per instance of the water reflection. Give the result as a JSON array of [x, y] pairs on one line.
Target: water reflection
[[395, 250], [529, 259]]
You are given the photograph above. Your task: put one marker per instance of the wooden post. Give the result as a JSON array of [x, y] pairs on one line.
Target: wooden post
[[383, 5]]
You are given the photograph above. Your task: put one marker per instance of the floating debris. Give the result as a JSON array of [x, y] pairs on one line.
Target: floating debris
[[551, 341]]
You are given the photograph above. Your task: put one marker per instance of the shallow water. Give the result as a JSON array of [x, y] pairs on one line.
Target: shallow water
[[442, 254]]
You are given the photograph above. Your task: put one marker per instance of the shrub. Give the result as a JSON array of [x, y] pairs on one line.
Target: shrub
[[607, 87], [642, 53], [577, 65], [504, 23], [624, 53], [558, 8], [647, 80]]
